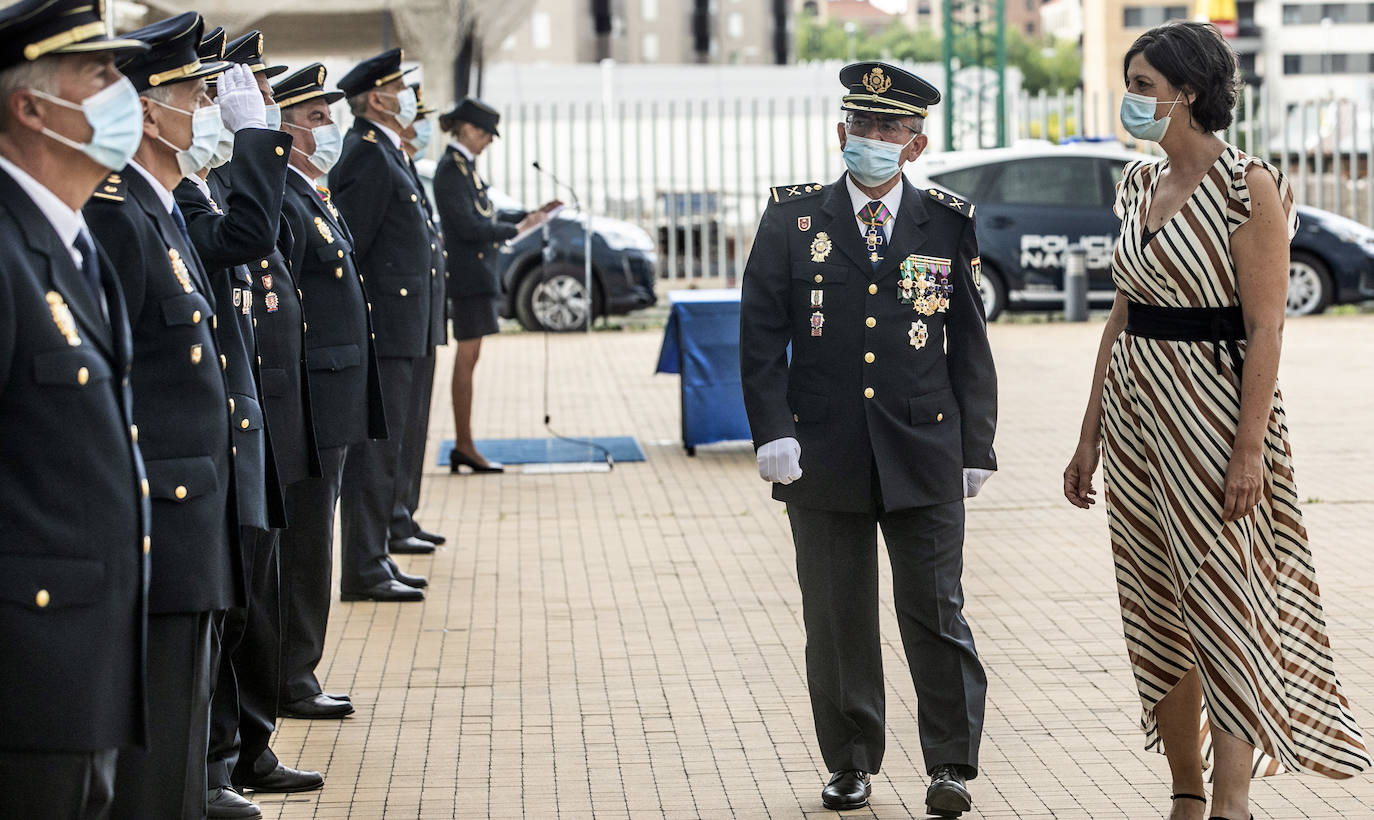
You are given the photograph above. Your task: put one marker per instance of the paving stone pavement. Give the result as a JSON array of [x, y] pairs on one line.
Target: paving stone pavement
[[629, 644]]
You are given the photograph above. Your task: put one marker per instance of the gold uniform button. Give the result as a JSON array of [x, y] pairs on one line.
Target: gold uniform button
[[299, 295], [433, 246], [147, 544], [280, 152], [143, 485], [42, 598], [196, 353], [82, 376], [481, 255], [223, 362], [414, 198], [231, 405], [195, 317], [338, 273], [795, 417], [868, 392], [180, 491], [869, 357], [870, 321], [263, 263], [433, 272], [233, 451], [214, 322], [341, 254], [819, 279], [939, 416], [133, 432], [872, 288], [405, 292], [243, 424], [305, 326]]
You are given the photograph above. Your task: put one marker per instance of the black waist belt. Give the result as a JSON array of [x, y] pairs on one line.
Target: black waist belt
[[1215, 325]]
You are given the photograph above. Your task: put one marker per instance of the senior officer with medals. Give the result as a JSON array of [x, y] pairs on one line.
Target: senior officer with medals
[[181, 407], [231, 228], [344, 397], [379, 197], [73, 563], [883, 418]]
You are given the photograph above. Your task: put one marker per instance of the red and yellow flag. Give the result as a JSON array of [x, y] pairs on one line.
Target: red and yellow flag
[[1220, 13]]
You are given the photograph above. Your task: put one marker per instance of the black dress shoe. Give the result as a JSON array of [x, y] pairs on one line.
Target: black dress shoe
[[229, 803], [412, 581], [344, 698], [315, 707], [457, 459], [848, 789], [432, 537], [947, 795], [286, 780], [387, 591], [410, 546]]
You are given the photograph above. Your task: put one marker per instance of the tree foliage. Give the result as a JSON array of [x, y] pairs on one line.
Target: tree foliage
[[1045, 63]]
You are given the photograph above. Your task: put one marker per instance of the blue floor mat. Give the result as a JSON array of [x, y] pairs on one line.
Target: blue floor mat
[[551, 450]]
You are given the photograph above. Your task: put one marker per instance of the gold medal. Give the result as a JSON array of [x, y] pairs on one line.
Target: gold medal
[[820, 247], [324, 228], [918, 334], [179, 270]]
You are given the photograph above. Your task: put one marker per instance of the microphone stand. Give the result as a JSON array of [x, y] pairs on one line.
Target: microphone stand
[[586, 240]]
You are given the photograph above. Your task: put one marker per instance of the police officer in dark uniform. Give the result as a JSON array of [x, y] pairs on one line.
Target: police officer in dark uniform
[[74, 521], [345, 402], [379, 198], [181, 407], [233, 227], [415, 140], [884, 417]]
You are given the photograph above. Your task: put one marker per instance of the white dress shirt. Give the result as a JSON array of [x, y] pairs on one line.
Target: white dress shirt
[[67, 223]]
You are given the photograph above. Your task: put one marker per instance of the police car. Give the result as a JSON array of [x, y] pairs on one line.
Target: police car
[[1034, 200], [551, 295]]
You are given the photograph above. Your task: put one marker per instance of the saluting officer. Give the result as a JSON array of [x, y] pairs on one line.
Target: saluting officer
[[344, 393], [379, 198], [415, 140], [74, 521], [884, 418], [182, 410]]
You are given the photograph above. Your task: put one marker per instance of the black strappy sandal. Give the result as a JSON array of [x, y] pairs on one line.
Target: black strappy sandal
[[1189, 797]]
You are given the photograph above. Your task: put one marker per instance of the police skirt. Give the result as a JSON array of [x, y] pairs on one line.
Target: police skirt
[[474, 316]]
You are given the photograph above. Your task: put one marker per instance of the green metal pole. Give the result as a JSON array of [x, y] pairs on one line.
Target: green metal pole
[[1001, 73], [948, 48]]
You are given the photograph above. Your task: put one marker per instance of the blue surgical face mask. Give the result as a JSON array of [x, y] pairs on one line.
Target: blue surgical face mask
[[1138, 116], [328, 145], [424, 132], [409, 107], [873, 162], [206, 126], [116, 121], [274, 117], [224, 150]]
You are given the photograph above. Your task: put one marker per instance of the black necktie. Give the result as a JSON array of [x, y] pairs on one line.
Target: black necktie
[[90, 266], [181, 226]]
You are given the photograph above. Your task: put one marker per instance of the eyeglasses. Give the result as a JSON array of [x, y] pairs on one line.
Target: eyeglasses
[[889, 130]]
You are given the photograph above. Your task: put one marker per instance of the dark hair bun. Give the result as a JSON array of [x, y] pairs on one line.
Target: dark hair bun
[[1194, 57]]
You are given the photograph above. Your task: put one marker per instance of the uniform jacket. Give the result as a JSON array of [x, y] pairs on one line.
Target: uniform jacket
[[74, 520], [181, 404], [438, 266], [345, 397], [932, 409], [380, 201], [472, 232], [277, 320], [226, 240]]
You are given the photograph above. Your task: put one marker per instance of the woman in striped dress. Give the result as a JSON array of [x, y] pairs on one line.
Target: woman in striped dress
[[1218, 594]]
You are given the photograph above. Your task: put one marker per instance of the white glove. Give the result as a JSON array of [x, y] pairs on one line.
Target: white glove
[[974, 479], [240, 100], [780, 461]]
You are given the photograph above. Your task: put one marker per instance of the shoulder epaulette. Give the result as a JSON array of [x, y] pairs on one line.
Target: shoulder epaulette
[[460, 162], [952, 201], [370, 136], [788, 193], [111, 188]]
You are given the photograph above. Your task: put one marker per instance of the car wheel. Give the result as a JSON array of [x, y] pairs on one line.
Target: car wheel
[[993, 292], [1309, 284], [553, 299]]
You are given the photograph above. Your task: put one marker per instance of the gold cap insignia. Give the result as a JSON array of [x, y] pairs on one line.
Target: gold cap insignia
[[876, 82]]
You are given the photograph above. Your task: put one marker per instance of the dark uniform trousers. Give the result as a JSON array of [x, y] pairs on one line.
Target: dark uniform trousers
[[380, 199], [181, 402], [890, 390], [345, 407], [73, 563]]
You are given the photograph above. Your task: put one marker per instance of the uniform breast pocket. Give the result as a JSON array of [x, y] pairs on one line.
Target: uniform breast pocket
[[45, 583], [403, 287], [809, 408], [185, 309], [936, 407], [181, 479], [247, 415], [334, 251], [335, 358], [273, 381], [74, 367]]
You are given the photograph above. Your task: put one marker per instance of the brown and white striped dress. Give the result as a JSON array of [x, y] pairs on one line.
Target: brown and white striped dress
[[1239, 600]]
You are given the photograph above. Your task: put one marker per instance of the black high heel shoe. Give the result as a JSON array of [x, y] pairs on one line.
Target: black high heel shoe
[[458, 459]]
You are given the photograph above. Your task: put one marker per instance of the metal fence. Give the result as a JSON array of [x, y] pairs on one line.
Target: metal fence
[[695, 173], [1323, 146]]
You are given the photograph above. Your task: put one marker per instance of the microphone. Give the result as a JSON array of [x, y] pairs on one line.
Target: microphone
[[558, 182]]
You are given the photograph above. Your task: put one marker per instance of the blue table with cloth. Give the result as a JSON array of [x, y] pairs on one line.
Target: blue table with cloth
[[701, 342]]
